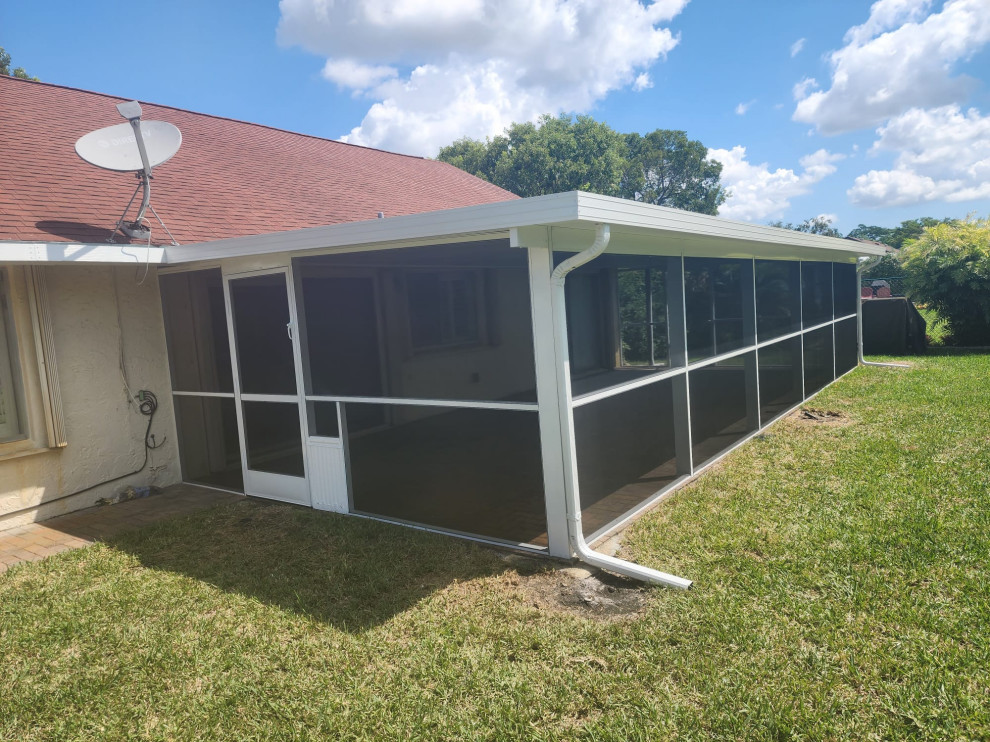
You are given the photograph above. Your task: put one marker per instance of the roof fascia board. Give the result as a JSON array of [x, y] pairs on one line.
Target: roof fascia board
[[500, 216], [624, 212], [79, 252], [572, 209]]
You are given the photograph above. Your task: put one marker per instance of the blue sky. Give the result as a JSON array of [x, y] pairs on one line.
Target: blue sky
[[868, 113]]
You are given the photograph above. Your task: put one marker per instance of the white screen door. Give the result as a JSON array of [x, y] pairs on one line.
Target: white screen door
[[267, 385]]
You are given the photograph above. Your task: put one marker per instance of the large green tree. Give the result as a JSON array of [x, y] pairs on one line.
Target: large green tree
[[668, 169], [17, 72], [815, 225], [559, 154], [473, 156], [564, 153]]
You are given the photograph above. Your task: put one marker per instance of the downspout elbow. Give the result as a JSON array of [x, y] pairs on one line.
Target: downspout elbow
[[628, 569], [602, 236]]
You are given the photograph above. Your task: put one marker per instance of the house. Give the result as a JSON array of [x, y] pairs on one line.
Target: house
[[526, 372]]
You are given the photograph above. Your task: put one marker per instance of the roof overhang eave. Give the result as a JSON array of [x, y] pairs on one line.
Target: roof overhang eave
[[16, 252], [647, 228]]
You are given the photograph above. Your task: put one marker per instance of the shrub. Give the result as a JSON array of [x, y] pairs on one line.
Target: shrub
[[948, 268]]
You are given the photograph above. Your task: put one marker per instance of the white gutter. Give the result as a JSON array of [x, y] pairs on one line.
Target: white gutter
[[572, 497], [862, 265]]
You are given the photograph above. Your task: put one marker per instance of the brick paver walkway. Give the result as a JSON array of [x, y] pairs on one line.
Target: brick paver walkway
[[38, 540]]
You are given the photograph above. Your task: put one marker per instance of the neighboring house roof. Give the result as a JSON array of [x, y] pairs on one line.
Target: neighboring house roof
[[229, 179], [884, 245]]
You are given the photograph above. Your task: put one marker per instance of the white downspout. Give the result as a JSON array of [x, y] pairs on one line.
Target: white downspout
[[861, 266], [572, 497]]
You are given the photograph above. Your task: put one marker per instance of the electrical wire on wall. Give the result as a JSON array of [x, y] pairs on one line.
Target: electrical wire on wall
[[147, 255], [120, 337], [147, 406]]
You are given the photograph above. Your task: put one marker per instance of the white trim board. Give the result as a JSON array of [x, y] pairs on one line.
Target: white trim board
[[80, 252]]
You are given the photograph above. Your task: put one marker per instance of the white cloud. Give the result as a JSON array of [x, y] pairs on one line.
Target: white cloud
[[760, 193], [350, 74], [797, 46], [439, 104], [900, 58], [944, 155], [743, 107], [887, 15], [471, 67], [801, 89], [642, 82], [818, 164]]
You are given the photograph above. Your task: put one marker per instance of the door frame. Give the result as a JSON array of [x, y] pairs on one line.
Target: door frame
[[282, 487]]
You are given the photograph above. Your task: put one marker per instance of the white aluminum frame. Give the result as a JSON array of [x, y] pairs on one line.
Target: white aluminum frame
[[198, 394], [422, 402], [283, 487]]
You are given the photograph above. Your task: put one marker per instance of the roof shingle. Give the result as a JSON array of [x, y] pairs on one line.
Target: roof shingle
[[229, 179]]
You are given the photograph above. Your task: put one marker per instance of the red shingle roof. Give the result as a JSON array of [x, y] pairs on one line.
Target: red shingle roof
[[229, 179]]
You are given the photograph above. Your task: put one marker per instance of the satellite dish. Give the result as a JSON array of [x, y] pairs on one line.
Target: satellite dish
[[116, 147], [137, 146]]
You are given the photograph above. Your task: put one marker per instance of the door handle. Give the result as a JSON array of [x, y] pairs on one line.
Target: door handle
[[288, 330]]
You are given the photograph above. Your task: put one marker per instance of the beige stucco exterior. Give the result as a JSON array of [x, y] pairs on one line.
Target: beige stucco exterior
[[99, 315]]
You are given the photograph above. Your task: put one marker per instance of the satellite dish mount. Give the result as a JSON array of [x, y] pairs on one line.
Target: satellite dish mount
[[113, 148], [136, 229]]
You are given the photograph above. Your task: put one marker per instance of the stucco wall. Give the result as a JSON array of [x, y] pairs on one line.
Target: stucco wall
[[103, 428]]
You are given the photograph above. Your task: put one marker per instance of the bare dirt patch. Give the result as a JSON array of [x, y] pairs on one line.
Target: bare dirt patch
[[580, 591], [812, 416]]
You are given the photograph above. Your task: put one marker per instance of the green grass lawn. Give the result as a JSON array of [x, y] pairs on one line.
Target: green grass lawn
[[841, 593]]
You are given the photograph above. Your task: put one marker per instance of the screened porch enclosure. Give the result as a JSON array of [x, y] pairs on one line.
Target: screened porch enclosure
[[401, 383], [428, 354], [417, 372], [675, 360]]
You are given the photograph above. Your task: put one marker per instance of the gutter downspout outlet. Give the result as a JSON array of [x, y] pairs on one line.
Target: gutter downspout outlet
[[572, 497]]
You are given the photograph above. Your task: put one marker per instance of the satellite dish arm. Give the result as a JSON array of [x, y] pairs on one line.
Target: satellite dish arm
[[145, 170], [136, 125], [131, 110]]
